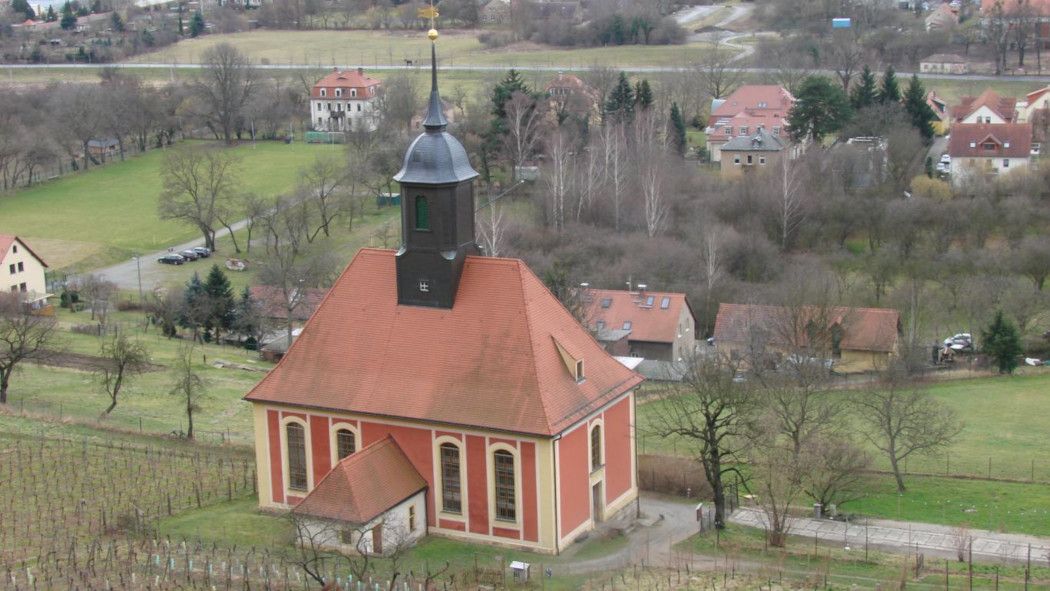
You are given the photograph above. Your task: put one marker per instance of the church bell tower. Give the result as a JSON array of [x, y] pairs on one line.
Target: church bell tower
[[437, 209]]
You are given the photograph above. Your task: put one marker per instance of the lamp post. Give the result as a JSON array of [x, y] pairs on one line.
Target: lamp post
[[138, 270]]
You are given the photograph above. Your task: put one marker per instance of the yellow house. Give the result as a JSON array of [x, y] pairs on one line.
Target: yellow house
[[854, 339], [22, 271]]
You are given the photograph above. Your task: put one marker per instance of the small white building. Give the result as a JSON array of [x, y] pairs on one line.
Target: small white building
[[345, 101], [372, 502], [22, 271]]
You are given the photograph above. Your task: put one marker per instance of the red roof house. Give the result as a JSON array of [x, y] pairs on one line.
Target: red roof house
[[344, 100], [465, 369], [988, 107], [658, 325], [748, 109], [859, 339], [988, 149]]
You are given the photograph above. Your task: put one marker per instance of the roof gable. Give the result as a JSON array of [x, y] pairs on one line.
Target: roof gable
[[364, 485], [967, 139], [6, 240], [489, 362]]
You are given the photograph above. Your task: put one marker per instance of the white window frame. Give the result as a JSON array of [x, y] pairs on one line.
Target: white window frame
[[490, 459], [285, 480], [324, 92], [333, 439], [460, 444]]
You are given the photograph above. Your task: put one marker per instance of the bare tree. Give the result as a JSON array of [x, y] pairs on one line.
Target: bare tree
[[121, 359], [588, 180], [838, 477], [98, 292], [558, 176], [613, 146], [198, 184], [777, 478], [224, 88], [187, 384], [491, 228], [651, 157], [710, 411], [717, 73], [789, 199], [525, 121], [844, 55], [325, 179], [23, 336], [900, 423]]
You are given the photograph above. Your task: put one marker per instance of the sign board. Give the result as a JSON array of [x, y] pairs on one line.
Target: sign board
[[841, 23]]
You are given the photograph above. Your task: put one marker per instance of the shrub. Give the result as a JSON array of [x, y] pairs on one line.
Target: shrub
[[672, 475]]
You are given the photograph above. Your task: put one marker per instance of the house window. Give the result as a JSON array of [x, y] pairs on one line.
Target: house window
[[729, 131], [1006, 144], [665, 303], [358, 107], [411, 518], [422, 213], [749, 159], [776, 131], [451, 494], [973, 144], [627, 325], [345, 443], [346, 536], [22, 287], [339, 92], [14, 289], [1006, 163], [12, 268], [989, 146], [21, 267], [353, 92], [606, 302], [596, 448], [579, 371], [736, 159], [649, 301], [506, 509], [295, 437], [319, 120], [324, 92], [761, 159], [14, 249], [743, 130]]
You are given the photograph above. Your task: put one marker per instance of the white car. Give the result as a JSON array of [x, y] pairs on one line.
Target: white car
[[946, 159]]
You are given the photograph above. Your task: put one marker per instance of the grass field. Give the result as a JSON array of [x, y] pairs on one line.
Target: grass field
[[1005, 427], [71, 221], [370, 48]]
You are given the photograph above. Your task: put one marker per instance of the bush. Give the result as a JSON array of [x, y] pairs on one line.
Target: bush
[[495, 39], [671, 475], [129, 306]]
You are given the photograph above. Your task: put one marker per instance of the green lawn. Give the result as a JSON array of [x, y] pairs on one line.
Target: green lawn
[[108, 213]]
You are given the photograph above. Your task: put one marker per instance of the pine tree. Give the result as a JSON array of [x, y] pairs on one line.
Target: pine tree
[[920, 113], [677, 130], [865, 92], [220, 302], [194, 308], [619, 107], [890, 90], [1002, 341], [643, 95], [51, 15], [117, 22], [69, 20], [822, 108], [504, 90], [248, 321], [22, 6], [196, 24]]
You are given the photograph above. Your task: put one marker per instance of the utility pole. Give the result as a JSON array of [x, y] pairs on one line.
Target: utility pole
[[138, 269]]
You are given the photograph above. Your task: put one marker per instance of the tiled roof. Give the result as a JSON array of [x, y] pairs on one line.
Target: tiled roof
[[1035, 95], [6, 240], [865, 329], [489, 362], [944, 58], [1013, 140], [364, 485], [272, 303], [654, 324], [1003, 106], [753, 99], [344, 79]]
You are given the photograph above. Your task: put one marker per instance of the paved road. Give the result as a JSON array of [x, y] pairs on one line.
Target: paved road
[[480, 68], [904, 537], [126, 274]]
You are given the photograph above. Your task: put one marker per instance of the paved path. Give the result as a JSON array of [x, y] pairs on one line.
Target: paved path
[[899, 536]]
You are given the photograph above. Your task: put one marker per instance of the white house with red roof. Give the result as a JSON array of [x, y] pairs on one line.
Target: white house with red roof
[[748, 109], [345, 100], [988, 149], [1034, 102], [22, 270], [989, 108], [654, 325], [469, 373]]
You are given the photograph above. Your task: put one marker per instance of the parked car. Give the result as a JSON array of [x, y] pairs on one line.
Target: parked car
[[189, 254], [946, 158], [960, 342], [172, 259], [203, 251]]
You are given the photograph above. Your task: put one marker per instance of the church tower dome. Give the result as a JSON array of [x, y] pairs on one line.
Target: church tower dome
[[437, 209]]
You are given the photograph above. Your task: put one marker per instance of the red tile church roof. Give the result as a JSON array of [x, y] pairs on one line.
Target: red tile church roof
[[489, 362], [364, 485]]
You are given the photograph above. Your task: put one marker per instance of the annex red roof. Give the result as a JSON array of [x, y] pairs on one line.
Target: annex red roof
[[864, 329], [971, 140], [1003, 106], [345, 79], [489, 362], [272, 304], [6, 240], [653, 315], [364, 485]]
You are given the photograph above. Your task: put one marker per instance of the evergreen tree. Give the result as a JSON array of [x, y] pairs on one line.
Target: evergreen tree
[[196, 24], [69, 20], [23, 7], [677, 130], [248, 321], [619, 107], [96, 7], [821, 108], [51, 15], [220, 302], [1002, 342], [865, 92], [890, 90], [194, 307], [501, 94], [117, 22], [643, 95], [920, 113]]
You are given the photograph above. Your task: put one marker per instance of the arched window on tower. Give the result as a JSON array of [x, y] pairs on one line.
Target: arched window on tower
[[422, 213], [295, 437]]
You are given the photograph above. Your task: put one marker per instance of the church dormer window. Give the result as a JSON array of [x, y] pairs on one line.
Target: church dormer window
[[422, 213]]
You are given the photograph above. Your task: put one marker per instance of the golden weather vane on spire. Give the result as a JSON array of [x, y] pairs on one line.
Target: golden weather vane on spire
[[430, 12]]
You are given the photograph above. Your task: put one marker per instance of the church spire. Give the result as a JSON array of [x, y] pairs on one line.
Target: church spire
[[435, 120]]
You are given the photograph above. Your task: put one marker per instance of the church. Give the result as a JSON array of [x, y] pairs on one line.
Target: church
[[443, 391]]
